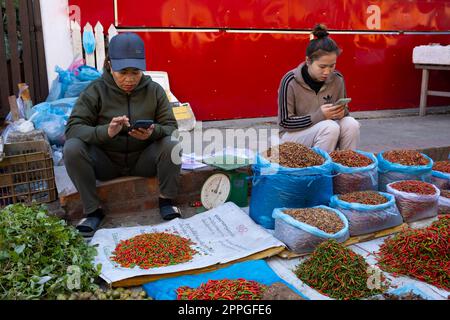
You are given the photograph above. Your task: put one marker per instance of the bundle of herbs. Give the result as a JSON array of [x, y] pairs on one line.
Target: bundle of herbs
[[41, 256], [338, 272]]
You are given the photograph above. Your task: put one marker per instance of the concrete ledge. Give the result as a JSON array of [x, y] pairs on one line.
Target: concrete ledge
[[135, 194]]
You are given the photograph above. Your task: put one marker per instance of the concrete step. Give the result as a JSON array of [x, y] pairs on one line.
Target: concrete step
[[135, 194]]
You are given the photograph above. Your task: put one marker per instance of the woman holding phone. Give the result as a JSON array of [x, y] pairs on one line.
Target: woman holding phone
[[122, 125], [311, 107]]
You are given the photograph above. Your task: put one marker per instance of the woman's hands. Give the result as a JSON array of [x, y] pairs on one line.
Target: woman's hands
[[141, 133], [117, 123], [332, 112]]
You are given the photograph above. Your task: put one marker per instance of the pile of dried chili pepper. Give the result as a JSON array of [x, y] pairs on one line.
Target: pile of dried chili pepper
[[325, 220], [423, 254], [414, 186], [442, 166], [240, 289], [445, 194], [152, 250], [364, 197], [350, 158], [406, 157], [337, 271], [294, 155]]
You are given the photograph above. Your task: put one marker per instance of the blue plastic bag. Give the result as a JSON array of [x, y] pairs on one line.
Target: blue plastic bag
[[389, 172], [349, 179], [51, 117], [301, 237], [256, 270], [275, 186], [71, 82], [89, 42], [365, 219]]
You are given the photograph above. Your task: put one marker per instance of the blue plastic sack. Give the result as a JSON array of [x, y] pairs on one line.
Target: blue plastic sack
[[71, 82], [349, 179], [389, 172], [51, 117], [275, 186], [89, 42], [304, 238], [365, 219], [256, 270]]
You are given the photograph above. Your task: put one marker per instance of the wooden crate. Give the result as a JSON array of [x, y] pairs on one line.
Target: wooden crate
[[26, 173]]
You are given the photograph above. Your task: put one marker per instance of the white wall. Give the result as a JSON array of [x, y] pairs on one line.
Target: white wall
[[57, 40]]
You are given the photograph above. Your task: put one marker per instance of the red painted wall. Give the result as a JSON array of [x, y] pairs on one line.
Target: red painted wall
[[236, 75]]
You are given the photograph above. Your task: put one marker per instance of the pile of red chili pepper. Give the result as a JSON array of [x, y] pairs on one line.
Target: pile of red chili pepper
[[442, 166], [445, 194], [350, 158], [240, 289], [364, 197], [423, 254], [413, 186], [152, 250], [337, 271], [406, 157]]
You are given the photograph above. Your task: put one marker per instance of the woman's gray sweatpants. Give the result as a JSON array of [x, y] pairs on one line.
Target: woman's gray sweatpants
[[87, 163]]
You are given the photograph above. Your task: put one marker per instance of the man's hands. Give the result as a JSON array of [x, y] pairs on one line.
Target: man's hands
[[117, 123], [332, 112]]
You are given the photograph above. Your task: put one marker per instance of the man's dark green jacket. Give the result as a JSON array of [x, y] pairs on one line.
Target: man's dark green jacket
[[103, 100]]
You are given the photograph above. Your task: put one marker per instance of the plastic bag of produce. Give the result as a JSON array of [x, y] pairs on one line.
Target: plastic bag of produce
[[389, 171], [275, 186], [350, 179], [440, 176], [366, 218], [301, 237], [416, 200], [51, 117], [444, 202]]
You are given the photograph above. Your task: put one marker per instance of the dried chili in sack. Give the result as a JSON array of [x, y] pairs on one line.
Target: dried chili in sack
[[444, 202], [440, 176], [353, 178], [364, 218], [304, 238], [391, 171], [277, 186], [417, 205]]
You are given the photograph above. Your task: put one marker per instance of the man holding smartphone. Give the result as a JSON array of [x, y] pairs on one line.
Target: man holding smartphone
[[122, 125], [312, 103]]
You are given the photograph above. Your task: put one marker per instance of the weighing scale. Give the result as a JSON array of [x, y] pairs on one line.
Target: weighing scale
[[227, 185]]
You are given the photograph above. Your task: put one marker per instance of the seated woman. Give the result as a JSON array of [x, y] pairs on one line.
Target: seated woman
[[307, 96], [101, 145]]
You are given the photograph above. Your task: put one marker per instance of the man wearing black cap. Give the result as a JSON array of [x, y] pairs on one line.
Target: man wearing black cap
[[100, 144]]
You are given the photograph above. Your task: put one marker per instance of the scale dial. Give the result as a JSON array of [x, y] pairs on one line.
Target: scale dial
[[215, 190]]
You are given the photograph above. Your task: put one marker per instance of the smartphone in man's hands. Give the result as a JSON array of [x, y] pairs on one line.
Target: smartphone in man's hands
[[144, 124]]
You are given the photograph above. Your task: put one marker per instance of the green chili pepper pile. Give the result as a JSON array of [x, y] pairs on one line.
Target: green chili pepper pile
[[40, 254], [240, 289], [423, 254], [152, 250], [336, 271]]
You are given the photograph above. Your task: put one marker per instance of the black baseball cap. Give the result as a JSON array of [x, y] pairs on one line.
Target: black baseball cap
[[126, 50]]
